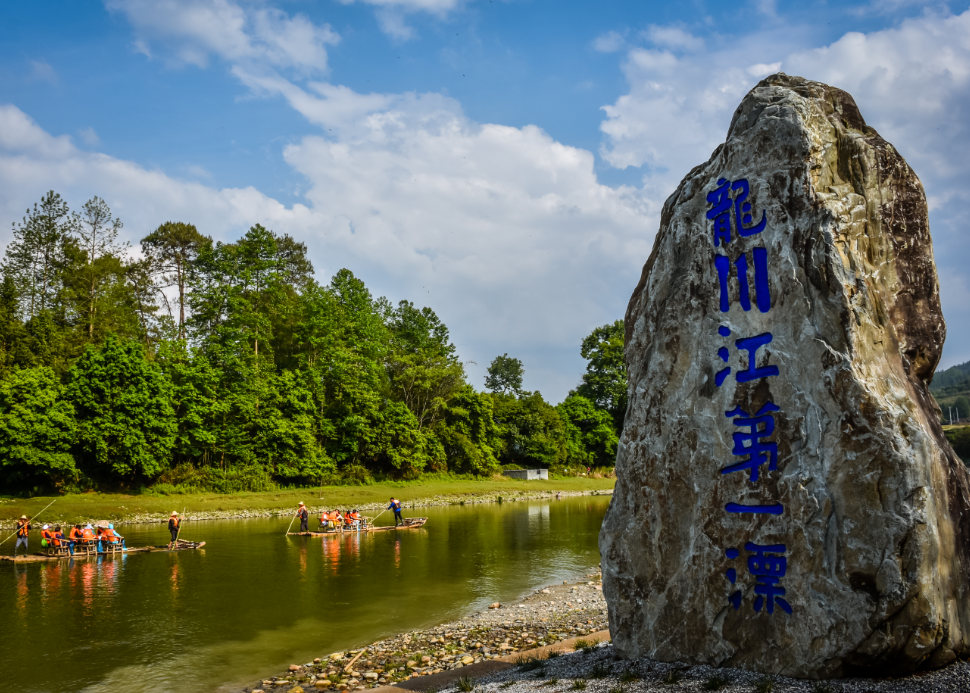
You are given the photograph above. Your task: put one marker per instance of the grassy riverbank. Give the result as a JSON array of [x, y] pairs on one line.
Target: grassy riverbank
[[122, 507]]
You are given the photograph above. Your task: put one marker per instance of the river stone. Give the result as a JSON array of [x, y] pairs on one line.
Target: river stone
[[874, 523]]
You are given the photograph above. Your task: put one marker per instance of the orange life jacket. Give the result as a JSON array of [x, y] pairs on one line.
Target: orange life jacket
[[22, 528], [75, 533], [57, 538], [88, 534], [45, 534]]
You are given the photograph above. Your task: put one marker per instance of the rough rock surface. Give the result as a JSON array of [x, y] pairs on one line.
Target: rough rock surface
[[872, 541]]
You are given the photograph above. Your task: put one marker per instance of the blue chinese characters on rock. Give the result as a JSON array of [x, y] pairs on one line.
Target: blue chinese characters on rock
[[733, 218]]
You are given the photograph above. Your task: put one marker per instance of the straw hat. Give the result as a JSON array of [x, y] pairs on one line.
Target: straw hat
[[174, 513], [301, 502], [23, 517]]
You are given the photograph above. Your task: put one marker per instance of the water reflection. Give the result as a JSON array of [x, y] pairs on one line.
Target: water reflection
[[255, 601]]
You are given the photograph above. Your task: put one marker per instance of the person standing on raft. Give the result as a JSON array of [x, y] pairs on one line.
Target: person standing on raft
[[173, 528], [23, 533], [396, 507], [304, 516]]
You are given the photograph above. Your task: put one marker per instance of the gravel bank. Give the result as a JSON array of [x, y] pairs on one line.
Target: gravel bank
[[546, 616], [599, 670]]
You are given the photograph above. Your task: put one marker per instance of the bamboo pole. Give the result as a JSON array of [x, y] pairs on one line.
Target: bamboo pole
[[30, 520]]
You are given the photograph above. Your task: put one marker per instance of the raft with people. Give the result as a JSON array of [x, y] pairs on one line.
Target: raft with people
[[351, 521], [410, 523], [78, 555], [97, 539]]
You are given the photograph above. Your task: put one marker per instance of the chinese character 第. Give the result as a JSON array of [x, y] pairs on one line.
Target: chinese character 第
[[752, 443]]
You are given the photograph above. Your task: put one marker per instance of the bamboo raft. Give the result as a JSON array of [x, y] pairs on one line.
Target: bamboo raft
[[80, 555], [412, 523]]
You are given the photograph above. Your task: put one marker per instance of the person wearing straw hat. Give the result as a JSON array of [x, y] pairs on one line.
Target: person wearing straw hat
[[23, 532], [173, 528], [304, 516]]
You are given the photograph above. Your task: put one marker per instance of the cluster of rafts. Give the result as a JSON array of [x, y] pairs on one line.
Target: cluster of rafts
[[93, 549]]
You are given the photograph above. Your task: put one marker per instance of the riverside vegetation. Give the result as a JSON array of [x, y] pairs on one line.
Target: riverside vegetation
[[205, 366]]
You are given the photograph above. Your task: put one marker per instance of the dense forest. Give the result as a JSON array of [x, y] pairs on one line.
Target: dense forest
[[951, 387], [195, 364]]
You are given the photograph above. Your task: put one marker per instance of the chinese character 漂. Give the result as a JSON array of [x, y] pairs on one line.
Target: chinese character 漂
[[767, 571]]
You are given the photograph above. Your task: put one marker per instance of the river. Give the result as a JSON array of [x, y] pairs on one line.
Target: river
[[254, 601]]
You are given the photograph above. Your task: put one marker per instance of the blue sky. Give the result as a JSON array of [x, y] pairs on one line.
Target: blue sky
[[501, 161]]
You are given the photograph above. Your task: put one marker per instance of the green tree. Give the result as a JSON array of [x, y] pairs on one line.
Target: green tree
[[424, 372], [604, 382], [171, 249], [123, 405], [505, 375], [531, 431], [13, 336], [241, 290], [591, 437], [37, 430], [344, 334], [469, 433], [34, 255], [97, 236], [197, 403]]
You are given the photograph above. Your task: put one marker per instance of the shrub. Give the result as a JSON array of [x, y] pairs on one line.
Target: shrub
[[672, 676], [716, 682], [765, 684]]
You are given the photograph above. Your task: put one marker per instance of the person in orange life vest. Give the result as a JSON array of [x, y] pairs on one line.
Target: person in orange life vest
[[74, 538], [304, 515], [59, 539], [46, 536], [23, 531], [112, 537], [173, 528], [88, 536]]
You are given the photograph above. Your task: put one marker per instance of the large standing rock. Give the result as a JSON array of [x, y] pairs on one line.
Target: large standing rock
[[864, 520]]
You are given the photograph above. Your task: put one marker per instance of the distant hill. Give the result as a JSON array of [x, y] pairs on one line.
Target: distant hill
[[952, 381]]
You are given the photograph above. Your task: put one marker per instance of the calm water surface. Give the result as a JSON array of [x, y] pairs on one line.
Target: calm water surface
[[254, 601]]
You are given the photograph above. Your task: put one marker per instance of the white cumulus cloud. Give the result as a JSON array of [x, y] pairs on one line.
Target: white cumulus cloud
[[504, 231], [197, 29], [911, 81]]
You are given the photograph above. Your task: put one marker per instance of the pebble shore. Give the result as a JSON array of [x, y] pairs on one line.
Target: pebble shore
[[545, 617], [600, 670], [427, 502]]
